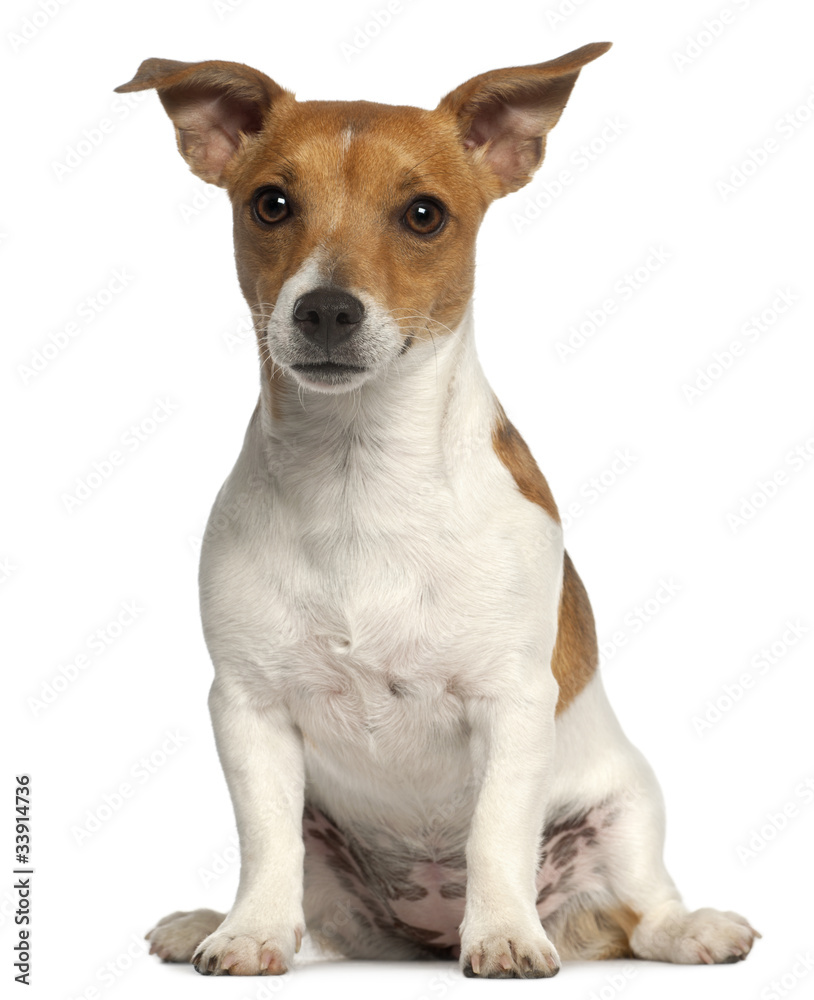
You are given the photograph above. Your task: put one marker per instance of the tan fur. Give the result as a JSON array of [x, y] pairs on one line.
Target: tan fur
[[514, 453], [350, 172], [537, 95], [576, 655], [593, 934], [348, 207], [351, 169]]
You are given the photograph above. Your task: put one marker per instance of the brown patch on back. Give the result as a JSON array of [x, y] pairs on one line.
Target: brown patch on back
[[595, 935], [576, 653], [514, 453]]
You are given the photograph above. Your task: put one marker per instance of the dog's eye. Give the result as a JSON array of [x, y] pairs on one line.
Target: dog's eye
[[270, 205], [425, 216]]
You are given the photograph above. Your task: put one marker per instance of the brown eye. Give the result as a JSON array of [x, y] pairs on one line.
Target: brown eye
[[425, 217], [270, 205]]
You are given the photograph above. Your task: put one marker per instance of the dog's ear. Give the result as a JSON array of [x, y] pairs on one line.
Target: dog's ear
[[503, 116], [212, 105]]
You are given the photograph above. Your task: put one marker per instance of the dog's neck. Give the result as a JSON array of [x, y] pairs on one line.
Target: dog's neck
[[402, 432]]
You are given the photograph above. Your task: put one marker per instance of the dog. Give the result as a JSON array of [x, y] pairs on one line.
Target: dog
[[418, 747]]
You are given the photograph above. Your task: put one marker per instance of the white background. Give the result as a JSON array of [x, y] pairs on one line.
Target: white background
[[686, 118]]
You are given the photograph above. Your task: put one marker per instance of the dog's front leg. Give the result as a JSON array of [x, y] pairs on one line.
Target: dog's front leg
[[261, 753], [512, 745]]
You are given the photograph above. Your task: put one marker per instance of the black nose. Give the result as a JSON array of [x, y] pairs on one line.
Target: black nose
[[327, 316]]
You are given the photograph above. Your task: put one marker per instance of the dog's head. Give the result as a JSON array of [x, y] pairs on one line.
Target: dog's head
[[355, 222]]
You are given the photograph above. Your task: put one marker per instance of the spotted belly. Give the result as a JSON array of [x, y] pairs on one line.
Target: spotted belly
[[380, 886]]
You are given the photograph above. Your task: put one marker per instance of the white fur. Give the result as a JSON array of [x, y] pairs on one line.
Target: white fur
[[372, 538], [376, 343], [380, 602]]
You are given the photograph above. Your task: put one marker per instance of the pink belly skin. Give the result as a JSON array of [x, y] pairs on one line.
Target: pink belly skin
[[417, 891]]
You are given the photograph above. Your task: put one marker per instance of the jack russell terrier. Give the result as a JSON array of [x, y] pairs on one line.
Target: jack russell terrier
[[406, 704]]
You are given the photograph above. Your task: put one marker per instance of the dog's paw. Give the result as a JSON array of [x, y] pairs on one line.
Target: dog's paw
[[231, 952], [703, 937], [527, 954], [711, 937], [176, 937]]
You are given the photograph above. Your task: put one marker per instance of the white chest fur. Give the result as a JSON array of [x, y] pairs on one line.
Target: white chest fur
[[371, 563]]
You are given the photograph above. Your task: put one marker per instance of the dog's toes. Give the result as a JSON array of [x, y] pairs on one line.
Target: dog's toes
[[703, 937], [233, 954], [176, 937], [528, 955]]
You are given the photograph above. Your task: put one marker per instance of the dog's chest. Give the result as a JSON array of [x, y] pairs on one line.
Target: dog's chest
[[374, 591], [374, 643]]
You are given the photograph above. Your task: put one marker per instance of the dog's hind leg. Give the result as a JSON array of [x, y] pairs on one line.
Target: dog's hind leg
[[176, 937], [604, 888], [658, 925]]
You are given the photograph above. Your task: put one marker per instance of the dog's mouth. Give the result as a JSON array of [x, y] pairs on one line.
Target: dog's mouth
[[331, 372]]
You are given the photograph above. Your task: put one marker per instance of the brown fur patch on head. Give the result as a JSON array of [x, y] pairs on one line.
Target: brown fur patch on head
[[350, 171]]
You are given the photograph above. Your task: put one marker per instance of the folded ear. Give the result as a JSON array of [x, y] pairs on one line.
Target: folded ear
[[503, 116], [212, 105]]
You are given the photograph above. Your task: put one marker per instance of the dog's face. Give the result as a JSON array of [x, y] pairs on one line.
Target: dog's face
[[354, 222], [354, 227]]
